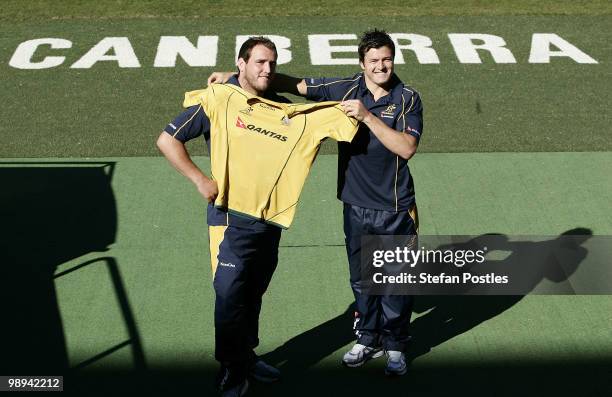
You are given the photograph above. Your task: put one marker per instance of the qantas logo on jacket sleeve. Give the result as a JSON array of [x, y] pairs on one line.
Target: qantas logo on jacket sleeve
[[409, 129], [254, 128]]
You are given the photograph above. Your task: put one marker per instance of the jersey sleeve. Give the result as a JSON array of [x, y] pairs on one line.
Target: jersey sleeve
[[412, 118], [335, 124], [190, 124], [324, 89]]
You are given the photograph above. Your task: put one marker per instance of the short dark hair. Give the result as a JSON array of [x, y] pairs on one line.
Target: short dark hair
[[374, 39], [247, 46]]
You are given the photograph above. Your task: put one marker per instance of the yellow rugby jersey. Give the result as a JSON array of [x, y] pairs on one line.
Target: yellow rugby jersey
[[261, 151]]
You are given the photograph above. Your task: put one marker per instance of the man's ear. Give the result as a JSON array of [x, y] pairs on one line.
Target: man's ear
[[241, 64], [361, 64]]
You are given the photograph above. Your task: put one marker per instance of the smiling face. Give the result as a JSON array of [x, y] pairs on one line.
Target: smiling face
[[377, 65], [257, 73]]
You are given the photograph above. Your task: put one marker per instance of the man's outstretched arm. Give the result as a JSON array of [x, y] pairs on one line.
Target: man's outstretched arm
[[174, 150], [289, 84], [281, 82]]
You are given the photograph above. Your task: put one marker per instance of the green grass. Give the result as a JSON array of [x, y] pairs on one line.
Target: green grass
[[109, 111], [42, 10]]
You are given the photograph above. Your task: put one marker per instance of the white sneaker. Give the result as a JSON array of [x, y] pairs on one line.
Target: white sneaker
[[396, 363], [359, 354]]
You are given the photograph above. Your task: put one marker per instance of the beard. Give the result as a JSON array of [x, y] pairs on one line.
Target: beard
[[259, 84]]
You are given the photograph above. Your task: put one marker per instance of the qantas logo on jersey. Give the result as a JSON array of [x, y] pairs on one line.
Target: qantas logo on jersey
[[240, 123], [254, 128]]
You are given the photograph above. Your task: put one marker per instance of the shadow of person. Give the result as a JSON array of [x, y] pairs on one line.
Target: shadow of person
[[51, 213], [308, 348], [447, 316], [528, 264], [443, 317]]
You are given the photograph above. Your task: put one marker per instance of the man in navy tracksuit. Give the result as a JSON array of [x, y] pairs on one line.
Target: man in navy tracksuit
[[374, 183], [376, 187]]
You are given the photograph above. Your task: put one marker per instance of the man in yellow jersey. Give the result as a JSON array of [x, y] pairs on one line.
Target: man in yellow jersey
[[261, 152], [374, 183]]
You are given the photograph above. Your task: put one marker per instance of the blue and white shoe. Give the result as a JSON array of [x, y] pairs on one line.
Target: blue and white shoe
[[360, 354], [396, 363]]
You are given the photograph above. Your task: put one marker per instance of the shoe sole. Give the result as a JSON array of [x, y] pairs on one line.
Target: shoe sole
[[378, 354]]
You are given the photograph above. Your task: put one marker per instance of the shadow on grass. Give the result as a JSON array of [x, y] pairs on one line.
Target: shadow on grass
[[502, 377], [52, 213], [443, 318]]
